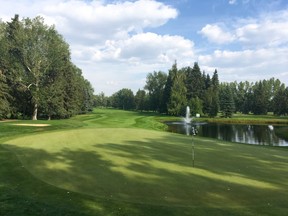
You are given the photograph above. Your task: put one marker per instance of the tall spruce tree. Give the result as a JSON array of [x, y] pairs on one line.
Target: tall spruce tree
[[260, 99], [195, 83], [211, 96], [178, 100], [168, 88], [226, 101]]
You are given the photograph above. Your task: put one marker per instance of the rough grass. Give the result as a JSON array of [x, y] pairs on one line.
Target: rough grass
[[240, 118], [115, 163]]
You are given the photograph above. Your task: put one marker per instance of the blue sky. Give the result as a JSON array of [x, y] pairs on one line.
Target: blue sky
[[117, 43]]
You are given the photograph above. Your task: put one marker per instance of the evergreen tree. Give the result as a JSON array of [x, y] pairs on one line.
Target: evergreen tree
[[195, 83], [226, 101], [211, 96], [260, 99], [168, 88], [178, 101], [208, 81]]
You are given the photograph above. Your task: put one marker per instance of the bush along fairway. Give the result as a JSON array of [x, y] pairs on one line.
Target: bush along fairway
[[113, 162]]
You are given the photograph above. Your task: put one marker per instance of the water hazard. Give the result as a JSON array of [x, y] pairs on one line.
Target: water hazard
[[249, 134]]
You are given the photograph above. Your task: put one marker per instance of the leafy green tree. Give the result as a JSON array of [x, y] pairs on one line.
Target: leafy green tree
[[38, 70], [4, 97], [280, 101], [76, 92], [31, 46], [124, 99], [239, 92], [4, 89], [141, 100], [100, 100], [196, 106], [53, 82], [155, 84], [275, 86]]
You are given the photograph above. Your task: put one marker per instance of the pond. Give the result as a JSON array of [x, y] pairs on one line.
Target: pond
[[239, 133]]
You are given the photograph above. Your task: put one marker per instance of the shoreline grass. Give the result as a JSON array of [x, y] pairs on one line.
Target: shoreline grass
[[114, 162]]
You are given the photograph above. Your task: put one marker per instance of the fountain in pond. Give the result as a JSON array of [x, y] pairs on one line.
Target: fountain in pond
[[188, 123], [189, 127], [187, 118]]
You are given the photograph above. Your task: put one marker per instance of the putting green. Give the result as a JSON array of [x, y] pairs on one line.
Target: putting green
[[144, 166]]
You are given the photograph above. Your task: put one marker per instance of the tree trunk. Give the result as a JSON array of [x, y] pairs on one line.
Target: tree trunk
[[35, 111]]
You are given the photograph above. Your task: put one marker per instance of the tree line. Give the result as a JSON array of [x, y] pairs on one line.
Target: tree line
[[189, 86], [37, 77]]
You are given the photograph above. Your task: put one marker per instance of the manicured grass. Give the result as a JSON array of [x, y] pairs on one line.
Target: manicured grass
[[114, 162]]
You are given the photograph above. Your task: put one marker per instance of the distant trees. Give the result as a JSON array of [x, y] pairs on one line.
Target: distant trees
[[35, 65], [280, 101], [141, 100], [100, 100], [155, 85], [205, 95], [123, 99], [258, 98]]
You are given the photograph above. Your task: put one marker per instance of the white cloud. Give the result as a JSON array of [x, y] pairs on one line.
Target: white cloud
[[130, 60], [259, 51], [251, 65], [215, 34], [93, 21], [268, 30], [232, 2]]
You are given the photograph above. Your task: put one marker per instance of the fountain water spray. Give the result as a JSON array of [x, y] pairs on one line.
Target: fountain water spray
[[187, 118], [187, 121]]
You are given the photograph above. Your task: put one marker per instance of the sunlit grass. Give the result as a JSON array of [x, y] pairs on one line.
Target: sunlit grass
[[145, 166]]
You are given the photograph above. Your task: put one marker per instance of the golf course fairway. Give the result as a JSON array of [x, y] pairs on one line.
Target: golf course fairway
[[149, 172]]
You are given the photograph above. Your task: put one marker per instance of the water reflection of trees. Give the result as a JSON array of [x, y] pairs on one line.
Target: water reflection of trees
[[251, 134]]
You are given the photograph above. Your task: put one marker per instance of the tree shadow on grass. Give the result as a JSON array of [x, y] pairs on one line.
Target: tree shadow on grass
[[151, 177]]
